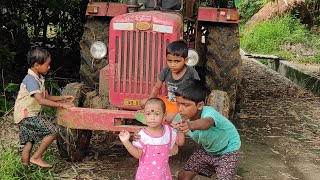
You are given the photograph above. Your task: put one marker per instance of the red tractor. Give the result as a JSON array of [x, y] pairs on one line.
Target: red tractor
[[135, 35]]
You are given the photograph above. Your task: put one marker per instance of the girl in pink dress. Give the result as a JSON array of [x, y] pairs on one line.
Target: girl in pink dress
[[154, 147]]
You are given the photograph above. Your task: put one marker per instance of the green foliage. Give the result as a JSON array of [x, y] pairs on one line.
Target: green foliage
[[11, 167], [248, 8], [314, 9], [54, 90], [269, 37], [6, 100], [54, 24], [53, 86]]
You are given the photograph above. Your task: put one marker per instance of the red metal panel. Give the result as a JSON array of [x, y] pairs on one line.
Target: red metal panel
[[141, 61], [147, 62], [136, 57], [153, 60], [136, 62], [100, 119], [216, 15], [125, 61], [115, 9], [102, 9], [130, 63], [207, 14], [107, 9], [118, 64]]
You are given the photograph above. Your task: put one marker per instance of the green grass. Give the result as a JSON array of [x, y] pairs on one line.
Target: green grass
[[11, 167], [241, 171], [269, 37]]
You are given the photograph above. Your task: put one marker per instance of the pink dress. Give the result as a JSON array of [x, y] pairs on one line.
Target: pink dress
[[153, 164]]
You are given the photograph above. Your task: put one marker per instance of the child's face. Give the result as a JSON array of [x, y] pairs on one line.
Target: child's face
[[188, 109], [43, 68], [175, 63], [153, 114]]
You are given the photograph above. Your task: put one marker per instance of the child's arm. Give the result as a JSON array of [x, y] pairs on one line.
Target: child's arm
[[59, 98], [199, 124], [46, 102], [156, 89], [181, 138], [124, 137]]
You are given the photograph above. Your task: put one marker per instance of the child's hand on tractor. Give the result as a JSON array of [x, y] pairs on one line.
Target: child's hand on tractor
[[124, 136], [69, 99], [67, 105]]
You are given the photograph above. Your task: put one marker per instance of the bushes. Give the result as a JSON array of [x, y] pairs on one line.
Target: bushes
[[248, 8], [269, 37]]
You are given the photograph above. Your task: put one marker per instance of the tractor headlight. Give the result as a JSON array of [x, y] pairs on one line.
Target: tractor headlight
[[193, 57], [98, 50]]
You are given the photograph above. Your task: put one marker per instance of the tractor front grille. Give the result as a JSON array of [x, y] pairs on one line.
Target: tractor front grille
[[139, 58]]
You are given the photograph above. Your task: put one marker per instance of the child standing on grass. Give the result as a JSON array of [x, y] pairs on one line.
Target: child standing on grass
[[218, 138], [154, 146], [173, 75], [32, 127]]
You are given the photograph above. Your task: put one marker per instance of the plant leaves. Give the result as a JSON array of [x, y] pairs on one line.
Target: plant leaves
[[11, 87]]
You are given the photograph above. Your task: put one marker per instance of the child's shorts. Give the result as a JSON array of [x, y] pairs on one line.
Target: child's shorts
[[34, 129], [206, 164]]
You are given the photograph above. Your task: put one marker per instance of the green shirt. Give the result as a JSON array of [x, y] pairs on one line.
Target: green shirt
[[220, 138]]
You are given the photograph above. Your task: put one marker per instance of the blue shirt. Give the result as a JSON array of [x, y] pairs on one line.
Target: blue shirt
[[220, 138]]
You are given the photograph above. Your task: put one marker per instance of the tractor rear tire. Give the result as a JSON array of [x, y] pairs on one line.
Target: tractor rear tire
[[73, 143], [223, 64], [220, 101], [95, 29]]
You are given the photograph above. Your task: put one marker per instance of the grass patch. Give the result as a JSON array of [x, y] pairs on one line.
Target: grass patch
[[11, 167], [285, 37], [241, 171]]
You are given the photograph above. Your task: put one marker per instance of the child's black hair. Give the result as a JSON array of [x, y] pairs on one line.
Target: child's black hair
[[193, 90], [158, 101], [178, 48], [37, 55]]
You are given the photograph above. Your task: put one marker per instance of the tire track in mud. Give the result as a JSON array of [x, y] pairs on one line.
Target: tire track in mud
[[284, 119]]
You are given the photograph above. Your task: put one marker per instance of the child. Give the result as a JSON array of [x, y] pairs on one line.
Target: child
[[174, 74], [154, 146], [32, 127], [218, 138]]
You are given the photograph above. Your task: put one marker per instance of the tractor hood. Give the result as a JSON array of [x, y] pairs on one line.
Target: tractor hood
[[148, 20]]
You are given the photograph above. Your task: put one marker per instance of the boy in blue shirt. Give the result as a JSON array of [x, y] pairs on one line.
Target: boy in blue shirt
[[218, 138]]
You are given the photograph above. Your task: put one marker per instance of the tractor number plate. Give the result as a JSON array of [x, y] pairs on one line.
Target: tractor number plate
[[130, 102]]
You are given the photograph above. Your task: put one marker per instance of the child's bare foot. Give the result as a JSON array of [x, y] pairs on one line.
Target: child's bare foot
[[40, 162], [25, 162], [25, 165]]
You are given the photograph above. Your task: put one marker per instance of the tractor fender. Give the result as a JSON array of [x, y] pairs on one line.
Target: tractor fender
[[222, 15], [106, 9]]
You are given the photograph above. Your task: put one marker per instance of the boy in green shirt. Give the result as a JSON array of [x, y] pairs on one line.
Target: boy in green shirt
[[218, 138]]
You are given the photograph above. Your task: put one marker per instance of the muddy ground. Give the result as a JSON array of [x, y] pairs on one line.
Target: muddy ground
[[279, 128]]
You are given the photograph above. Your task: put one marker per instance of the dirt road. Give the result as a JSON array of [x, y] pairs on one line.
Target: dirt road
[[279, 127]]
